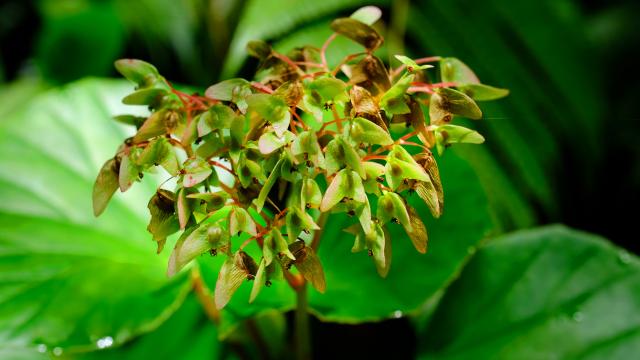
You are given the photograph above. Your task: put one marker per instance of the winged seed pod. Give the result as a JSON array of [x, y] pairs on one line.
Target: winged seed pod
[[267, 161]]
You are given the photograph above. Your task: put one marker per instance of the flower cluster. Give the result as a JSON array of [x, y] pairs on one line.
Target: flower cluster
[[267, 160]]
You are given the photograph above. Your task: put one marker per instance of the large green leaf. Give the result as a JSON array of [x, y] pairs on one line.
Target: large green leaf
[[356, 293], [549, 293], [257, 22], [67, 279], [188, 334]]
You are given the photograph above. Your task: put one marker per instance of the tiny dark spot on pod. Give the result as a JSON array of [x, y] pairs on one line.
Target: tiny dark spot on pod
[[155, 164], [351, 212], [308, 206], [182, 171], [140, 175], [202, 202], [255, 181], [267, 283], [309, 163], [128, 141], [168, 136], [395, 220], [198, 141], [250, 277], [344, 199], [406, 181], [288, 266], [213, 252], [305, 231], [306, 156], [294, 168], [239, 232], [245, 171], [370, 252], [380, 179], [410, 68]]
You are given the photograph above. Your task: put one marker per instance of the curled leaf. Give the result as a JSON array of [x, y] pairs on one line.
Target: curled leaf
[[358, 31], [105, 186], [164, 221], [268, 185]]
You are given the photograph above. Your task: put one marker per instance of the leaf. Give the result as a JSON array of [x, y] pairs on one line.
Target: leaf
[[340, 154], [374, 172], [391, 206], [297, 221], [258, 281], [417, 232], [428, 193], [270, 142], [196, 171], [310, 194], [308, 263], [268, 185], [241, 221], [225, 89], [137, 71], [155, 125], [234, 271], [194, 242], [184, 207], [393, 101], [337, 190], [328, 87], [281, 245], [454, 70], [365, 131], [151, 97], [371, 75], [367, 14], [273, 109], [164, 221], [217, 117], [397, 171], [160, 152], [357, 31], [188, 324], [411, 64], [481, 92], [105, 186], [452, 134], [379, 246], [561, 285], [215, 200], [68, 279], [129, 171], [445, 102]]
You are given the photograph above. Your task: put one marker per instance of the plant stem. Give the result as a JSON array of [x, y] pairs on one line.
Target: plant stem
[[302, 336]]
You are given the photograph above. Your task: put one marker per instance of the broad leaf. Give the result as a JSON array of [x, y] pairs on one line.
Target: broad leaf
[[545, 293], [68, 279]]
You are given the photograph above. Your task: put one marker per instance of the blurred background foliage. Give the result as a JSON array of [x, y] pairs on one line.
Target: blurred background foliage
[[560, 149]]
